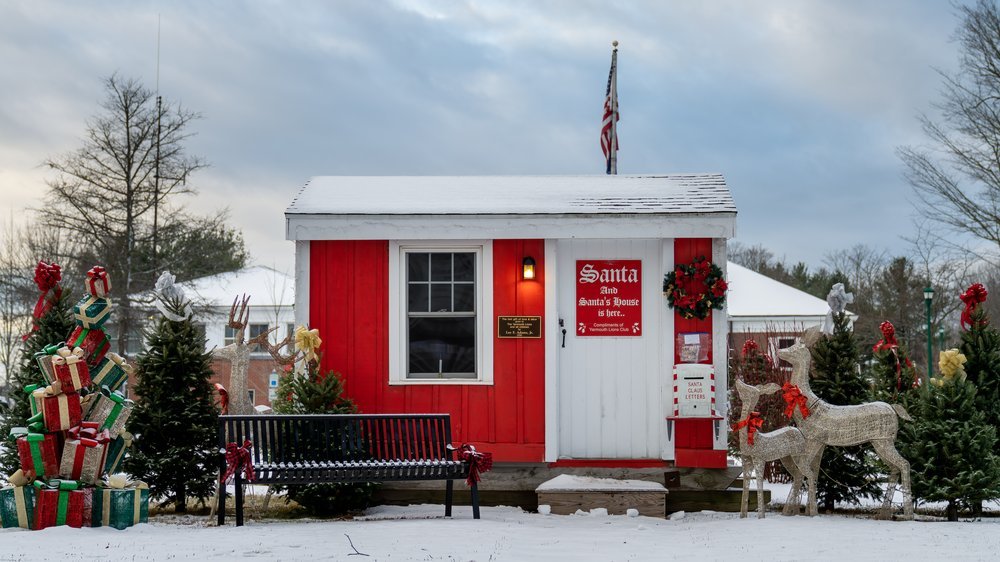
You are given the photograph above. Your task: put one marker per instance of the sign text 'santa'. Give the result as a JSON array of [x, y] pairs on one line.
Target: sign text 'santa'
[[623, 275]]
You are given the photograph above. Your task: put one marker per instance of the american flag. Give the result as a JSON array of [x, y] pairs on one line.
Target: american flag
[[609, 135]]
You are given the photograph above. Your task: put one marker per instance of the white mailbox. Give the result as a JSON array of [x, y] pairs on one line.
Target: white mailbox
[[694, 390]]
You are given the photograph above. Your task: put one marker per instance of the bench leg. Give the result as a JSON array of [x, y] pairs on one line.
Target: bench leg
[[222, 502], [449, 493], [239, 499], [475, 500]]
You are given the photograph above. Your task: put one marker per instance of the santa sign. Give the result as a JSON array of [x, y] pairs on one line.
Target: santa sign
[[609, 298]]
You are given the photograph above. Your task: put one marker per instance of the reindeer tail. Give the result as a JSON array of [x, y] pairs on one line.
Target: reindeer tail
[[901, 412]]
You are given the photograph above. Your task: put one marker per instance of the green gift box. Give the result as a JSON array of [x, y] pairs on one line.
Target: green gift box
[[116, 452], [91, 311], [120, 507], [112, 371], [17, 506]]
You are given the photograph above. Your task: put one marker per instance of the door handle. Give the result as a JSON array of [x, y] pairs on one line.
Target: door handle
[[562, 325]]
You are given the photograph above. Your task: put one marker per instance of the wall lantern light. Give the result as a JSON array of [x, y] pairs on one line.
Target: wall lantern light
[[528, 271]]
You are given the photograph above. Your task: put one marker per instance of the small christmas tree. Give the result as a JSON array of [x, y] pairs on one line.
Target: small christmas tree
[[892, 374], [847, 474], [307, 391], [52, 321], [175, 419], [949, 444], [981, 348]]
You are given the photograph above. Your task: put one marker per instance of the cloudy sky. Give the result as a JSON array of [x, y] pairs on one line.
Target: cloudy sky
[[800, 104]]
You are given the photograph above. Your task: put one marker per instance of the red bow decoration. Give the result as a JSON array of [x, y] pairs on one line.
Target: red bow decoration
[[888, 342], [753, 423], [794, 399], [47, 278], [478, 462], [972, 297], [750, 347], [238, 459], [90, 431]]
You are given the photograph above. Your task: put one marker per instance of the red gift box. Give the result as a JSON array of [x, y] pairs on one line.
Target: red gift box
[[39, 454], [61, 411], [98, 283], [62, 502], [94, 342], [71, 369]]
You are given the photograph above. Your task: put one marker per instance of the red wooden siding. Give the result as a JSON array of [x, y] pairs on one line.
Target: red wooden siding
[[348, 296], [693, 444], [685, 251]]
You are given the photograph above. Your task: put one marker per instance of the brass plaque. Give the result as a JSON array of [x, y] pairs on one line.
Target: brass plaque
[[519, 326]]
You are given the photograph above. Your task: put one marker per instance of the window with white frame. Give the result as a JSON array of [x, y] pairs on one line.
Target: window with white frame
[[442, 333]]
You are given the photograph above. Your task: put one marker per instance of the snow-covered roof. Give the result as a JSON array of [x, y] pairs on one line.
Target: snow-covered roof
[[513, 195], [757, 299], [452, 207], [264, 285]]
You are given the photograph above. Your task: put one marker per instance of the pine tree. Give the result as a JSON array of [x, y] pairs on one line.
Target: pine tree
[[310, 392], [981, 347], [846, 474], [950, 447], [175, 418], [891, 372], [53, 327]]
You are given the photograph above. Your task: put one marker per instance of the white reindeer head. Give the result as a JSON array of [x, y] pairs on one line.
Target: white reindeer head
[[750, 395]]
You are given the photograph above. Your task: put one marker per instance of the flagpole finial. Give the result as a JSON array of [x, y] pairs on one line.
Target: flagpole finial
[[614, 43]]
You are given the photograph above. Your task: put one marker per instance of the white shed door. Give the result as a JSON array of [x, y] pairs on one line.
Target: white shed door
[[610, 386]]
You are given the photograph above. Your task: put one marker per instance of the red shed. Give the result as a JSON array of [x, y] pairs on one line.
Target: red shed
[[529, 308]]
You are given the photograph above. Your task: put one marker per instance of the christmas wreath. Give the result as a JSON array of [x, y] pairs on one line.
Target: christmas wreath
[[695, 289]]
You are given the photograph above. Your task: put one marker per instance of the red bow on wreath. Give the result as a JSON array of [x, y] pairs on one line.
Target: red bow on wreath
[[238, 459], [47, 278], [478, 462], [794, 399], [753, 423], [972, 297]]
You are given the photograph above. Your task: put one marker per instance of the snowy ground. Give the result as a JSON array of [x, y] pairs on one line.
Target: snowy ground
[[504, 533]]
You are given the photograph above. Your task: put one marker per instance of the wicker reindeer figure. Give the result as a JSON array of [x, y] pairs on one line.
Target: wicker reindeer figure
[[757, 447], [843, 426]]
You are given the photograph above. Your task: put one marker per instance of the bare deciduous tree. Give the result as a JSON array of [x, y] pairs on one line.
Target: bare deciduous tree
[[956, 176]]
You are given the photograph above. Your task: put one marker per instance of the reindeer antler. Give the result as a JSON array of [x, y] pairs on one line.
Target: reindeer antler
[[275, 350], [239, 315]]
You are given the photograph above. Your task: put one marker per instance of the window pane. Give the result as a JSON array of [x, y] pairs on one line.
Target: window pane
[[230, 335], [440, 267], [440, 297], [418, 298], [465, 297], [416, 267], [465, 267], [442, 345]]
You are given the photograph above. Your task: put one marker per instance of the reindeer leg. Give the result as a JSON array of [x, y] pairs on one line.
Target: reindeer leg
[[814, 452], [791, 465], [758, 468], [747, 468], [900, 468]]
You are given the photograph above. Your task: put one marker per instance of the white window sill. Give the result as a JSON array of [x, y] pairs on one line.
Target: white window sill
[[439, 382]]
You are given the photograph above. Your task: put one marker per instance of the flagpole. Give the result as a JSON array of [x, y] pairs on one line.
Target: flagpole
[[614, 108]]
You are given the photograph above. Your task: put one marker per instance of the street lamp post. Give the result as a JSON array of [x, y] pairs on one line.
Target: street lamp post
[[928, 297]]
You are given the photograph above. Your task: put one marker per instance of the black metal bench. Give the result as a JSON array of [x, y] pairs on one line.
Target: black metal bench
[[343, 448]]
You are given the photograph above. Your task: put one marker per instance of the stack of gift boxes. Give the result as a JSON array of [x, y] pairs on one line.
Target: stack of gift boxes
[[75, 438]]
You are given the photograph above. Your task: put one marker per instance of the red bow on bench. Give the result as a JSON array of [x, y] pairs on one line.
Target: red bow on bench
[[238, 459], [479, 462]]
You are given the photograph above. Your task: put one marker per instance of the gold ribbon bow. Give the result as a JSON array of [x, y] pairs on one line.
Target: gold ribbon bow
[[307, 341]]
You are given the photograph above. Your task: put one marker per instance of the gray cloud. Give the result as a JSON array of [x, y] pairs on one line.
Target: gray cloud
[[799, 104]]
